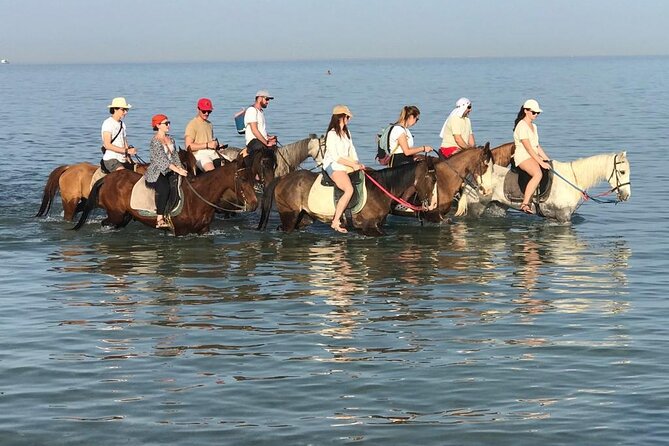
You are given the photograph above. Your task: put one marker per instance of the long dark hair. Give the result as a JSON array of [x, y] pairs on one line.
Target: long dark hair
[[334, 125], [521, 115]]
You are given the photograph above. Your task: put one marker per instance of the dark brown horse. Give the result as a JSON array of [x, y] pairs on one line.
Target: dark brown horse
[[453, 173], [74, 183], [200, 195], [291, 193]]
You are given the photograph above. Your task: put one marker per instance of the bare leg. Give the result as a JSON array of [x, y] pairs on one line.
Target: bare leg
[[343, 182], [534, 170]]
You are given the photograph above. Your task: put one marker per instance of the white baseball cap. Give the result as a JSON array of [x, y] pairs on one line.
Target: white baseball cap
[[532, 105], [264, 94]]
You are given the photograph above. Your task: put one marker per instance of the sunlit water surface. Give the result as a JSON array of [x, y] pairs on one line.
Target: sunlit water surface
[[494, 331]]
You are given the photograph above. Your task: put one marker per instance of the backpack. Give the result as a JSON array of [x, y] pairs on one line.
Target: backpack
[[383, 145]]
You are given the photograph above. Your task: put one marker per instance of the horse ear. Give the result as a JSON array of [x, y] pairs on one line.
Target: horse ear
[[624, 154], [487, 146]]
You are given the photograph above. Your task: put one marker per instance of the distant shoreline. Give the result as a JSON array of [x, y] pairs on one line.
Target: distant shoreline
[[337, 60]]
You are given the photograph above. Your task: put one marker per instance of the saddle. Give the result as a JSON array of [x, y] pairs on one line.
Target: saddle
[[324, 195], [516, 181], [143, 198]]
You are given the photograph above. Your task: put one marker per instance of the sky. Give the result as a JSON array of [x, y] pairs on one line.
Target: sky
[[120, 31]]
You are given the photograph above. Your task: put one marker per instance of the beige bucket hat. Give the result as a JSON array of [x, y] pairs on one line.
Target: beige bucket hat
[[119, 103]]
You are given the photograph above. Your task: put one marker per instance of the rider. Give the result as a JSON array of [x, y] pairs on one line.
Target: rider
[[164, 164], [254, 122], [456, 133], [199, 136], [529, 156], [340, 158], [115, 149], [401, 139]]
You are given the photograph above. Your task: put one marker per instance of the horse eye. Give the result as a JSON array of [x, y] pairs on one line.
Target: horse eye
[[622, 172]]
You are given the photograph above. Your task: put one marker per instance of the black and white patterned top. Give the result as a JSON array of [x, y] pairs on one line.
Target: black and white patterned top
[[161, 159]]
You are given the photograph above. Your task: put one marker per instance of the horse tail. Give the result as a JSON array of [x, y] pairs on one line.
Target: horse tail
[[91, 203], [462, 206], [267, 201], [50, 190]]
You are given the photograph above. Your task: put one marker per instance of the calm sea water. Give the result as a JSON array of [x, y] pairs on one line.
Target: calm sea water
[[495, 331]]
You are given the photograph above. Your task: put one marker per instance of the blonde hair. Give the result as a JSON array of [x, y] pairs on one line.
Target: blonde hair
[[406, 113]]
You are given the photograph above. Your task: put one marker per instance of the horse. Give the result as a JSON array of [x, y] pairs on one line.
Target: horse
[[451, 173], [288, 157], [568, 185], [74, 183], [503, 154], [291, 193], [200, 194]]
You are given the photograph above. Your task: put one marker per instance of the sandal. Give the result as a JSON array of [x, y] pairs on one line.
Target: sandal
[[162, 224], [525, 207]]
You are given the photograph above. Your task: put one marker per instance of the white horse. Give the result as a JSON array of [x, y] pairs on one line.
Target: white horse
[[290, 156], [569, 185]]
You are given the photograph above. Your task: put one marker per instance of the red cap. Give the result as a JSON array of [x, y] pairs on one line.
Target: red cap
[[205, 104], [157, 119]]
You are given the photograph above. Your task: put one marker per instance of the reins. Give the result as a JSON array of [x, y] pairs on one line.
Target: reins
[[197, 194], [585, 195], [393, 197], [471, 184]]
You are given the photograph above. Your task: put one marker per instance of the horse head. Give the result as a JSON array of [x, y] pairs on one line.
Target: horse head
[[619, 180], [188, 160], [317, 148], [425, 181], [483, 164], [244, 179]]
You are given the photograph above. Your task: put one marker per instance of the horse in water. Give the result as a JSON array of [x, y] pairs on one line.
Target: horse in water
[[565, 187], [291, 193], [74, 182], [200, 195], [452, 173], [288, 157]]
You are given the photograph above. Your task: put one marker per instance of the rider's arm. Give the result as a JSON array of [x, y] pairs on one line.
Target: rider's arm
[[257, 134], [403, 142], [460, 142], [106, 142]]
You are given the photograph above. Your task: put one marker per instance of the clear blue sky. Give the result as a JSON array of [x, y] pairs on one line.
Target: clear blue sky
[[72, 31]]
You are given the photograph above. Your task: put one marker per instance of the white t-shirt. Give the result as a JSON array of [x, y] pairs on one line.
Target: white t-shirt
[[254, 115], [338, 147], [111, 125], [395, 134]]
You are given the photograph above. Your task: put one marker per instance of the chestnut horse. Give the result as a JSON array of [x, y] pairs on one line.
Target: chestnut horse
[[200, 194], [74, 182], [292, 193], [452, 173]]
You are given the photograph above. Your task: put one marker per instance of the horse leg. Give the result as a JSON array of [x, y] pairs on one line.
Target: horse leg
[[289, 220], [116, 219], [70, 208]]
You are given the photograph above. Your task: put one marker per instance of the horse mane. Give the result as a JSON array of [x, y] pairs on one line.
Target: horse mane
[[590, 170], [291, 155], [396, 178], [502, 154]]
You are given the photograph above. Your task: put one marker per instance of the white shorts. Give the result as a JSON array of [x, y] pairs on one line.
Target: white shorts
[[205, 156]]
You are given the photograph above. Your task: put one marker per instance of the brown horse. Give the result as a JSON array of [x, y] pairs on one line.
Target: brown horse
[[502, 154], [452, 173], [291, 193], [200, 195], [74, 183]]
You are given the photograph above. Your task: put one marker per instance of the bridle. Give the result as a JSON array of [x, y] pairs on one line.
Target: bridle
[[617, 174]]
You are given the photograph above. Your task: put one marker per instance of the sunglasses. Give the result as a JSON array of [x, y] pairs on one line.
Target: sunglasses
[[166, 123], [205, 112], [532, 111]]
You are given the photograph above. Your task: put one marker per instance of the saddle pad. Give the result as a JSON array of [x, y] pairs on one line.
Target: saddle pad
[[321, 198], [143, 199], [96, 176], [516, 181]]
